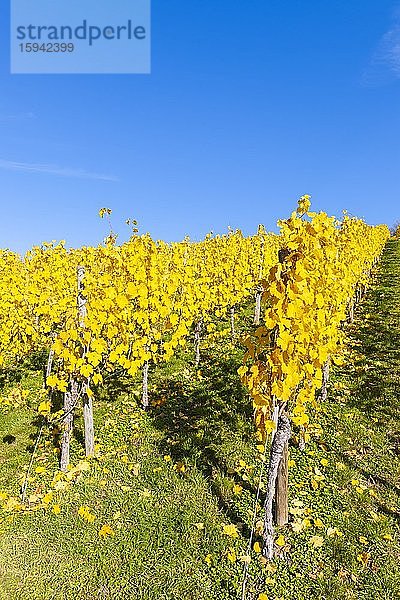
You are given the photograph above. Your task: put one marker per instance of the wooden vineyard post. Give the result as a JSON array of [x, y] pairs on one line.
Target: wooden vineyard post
[[257, 310], [232, 317], [281, 505], [49, 363], [197, 340], [302, 441], [281, 489], [70, 400], [87, 400], [89, 425], [260, 289], [50, 359], [351, 311], [145, 386]]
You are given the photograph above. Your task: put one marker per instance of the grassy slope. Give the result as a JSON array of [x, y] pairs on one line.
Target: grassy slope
[[167, 522]]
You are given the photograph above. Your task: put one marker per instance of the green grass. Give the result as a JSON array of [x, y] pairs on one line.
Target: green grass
[[169, 542]]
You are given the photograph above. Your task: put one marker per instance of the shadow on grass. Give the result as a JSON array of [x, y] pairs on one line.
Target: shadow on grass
[[374, 378], [205, 421], [376, 336]]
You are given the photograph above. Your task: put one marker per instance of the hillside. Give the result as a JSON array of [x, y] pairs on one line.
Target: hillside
[[165, 483]]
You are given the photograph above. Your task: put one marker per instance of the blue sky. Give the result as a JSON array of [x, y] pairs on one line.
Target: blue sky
[[249, 105]]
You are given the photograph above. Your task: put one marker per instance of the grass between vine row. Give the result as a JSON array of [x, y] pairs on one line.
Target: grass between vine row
[[167, 482]]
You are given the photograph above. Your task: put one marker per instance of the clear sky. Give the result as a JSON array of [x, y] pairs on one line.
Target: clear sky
[[249, 105]]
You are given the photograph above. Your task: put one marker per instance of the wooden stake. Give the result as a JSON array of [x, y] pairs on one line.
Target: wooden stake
[[145, 386], [89, 425], [257, 310], [81, 298], [325, 380], [70, 400], [351, 311], [87, 401], [302, 441], [50, 359], [197, 340], [281, 490], [232, 313]]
